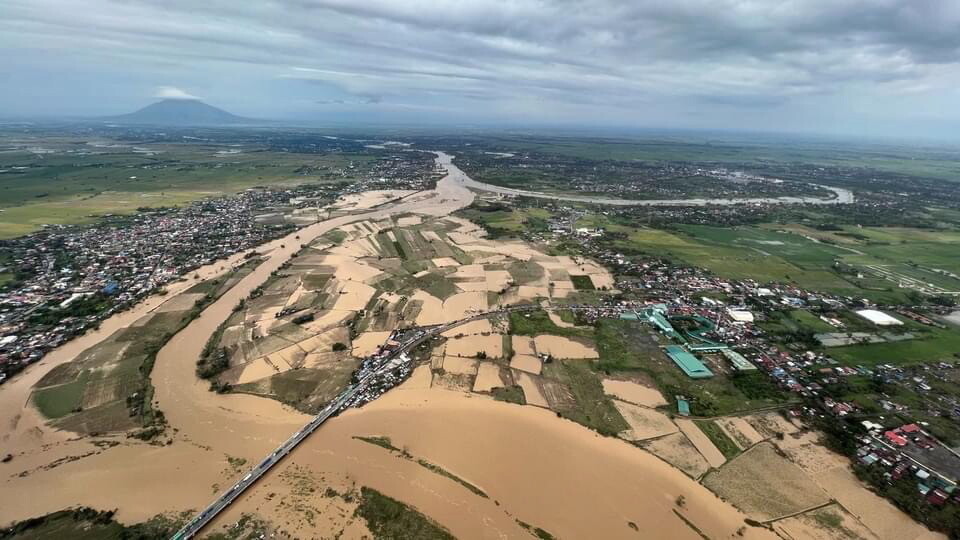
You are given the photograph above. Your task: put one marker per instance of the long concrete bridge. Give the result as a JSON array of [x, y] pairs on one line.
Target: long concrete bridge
[[341, 402]]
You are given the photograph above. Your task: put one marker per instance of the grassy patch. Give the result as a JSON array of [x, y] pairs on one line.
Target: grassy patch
[[389, 518], [619, 346], [382, 442], [525, 272], [510, 394], [592, 407], [786, 322], [719, 439], [402, 253], [335, 236], [67, 524], [582, 283], [501, 220], [534, 323], [59, 401], [89, 524], [315, 282], [437, 285], [536, 531], [443, 472], [931, 346], [828, 519]]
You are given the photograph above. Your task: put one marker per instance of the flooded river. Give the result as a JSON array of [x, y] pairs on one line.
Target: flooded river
[[534, 467], [207, 426], [841, 196]]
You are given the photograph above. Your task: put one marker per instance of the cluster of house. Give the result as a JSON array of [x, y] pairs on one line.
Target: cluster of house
[[414, 171], [386, 367], [70, 278], [700, 312], [631, 179], [888, 448]]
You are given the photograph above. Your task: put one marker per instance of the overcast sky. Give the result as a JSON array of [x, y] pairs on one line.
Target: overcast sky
[[881, 67]]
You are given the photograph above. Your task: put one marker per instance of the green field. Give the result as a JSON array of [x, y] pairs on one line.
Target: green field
[[942, 163], [390, 518], [509, 394], [719, 438], [591, 407], [534, 323], [61, 400], [78, 183], [501, 221], [934, 345], [795, 321], [795, 254]]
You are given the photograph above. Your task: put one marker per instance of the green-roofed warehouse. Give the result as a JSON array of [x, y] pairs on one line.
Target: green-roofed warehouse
[[739, 362], [688, 363]]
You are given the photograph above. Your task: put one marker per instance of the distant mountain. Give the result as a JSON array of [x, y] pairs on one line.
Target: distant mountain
[[181, 112]]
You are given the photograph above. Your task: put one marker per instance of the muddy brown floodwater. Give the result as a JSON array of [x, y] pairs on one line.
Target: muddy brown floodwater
[[53, 469], [534, 467]]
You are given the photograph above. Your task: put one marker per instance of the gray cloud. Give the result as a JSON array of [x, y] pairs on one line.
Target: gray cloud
[[855, 64]]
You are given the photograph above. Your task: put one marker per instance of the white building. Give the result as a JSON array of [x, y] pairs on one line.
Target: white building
[[740, 315], [879, 318]]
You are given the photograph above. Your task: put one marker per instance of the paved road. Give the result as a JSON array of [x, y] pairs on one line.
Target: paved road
[[210, 512]]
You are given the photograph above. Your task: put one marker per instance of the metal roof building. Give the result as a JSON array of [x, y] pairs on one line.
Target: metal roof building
[[738, 361], [689, 363]]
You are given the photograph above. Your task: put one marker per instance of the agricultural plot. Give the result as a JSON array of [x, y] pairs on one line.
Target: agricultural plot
[[829, 523], [884, 263], [932, 345], [347, 291], [632, 392], [703, 443], [308, 389], [796, 320], [589, 405], [765, 485], [107, 387], [645, 423], [677, 450]]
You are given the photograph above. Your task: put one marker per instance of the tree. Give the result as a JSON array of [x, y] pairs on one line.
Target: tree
[[339, 347]]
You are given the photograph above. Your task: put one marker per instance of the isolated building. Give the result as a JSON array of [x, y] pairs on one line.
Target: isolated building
[[878, 318]]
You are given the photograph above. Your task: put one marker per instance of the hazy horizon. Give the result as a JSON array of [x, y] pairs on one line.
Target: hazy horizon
[[874, 68]]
